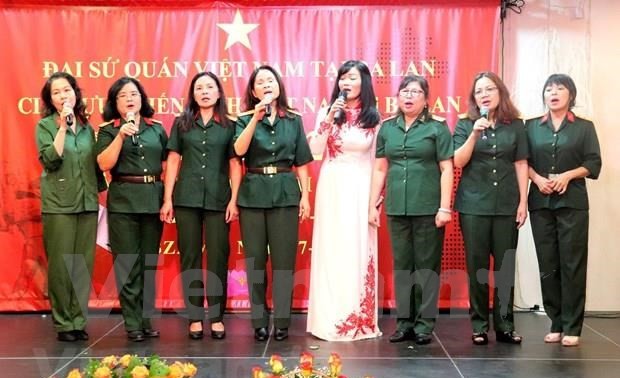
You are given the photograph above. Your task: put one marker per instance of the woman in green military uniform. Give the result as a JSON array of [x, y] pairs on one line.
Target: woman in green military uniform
[[564, 152], [132, 146], [69, 204], [414, 153], [200, 162], [271, 139], [490, 145]]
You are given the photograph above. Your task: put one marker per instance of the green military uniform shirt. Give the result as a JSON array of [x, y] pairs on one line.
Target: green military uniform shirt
[[489, 181], [203, 179], [413, 177], [143, 159], [69, 183], [574, 145], [282, 144]]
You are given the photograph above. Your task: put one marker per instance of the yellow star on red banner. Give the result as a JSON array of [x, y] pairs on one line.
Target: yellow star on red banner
[[237, 31]]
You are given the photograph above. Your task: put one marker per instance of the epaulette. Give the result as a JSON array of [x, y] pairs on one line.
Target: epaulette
[[231, 117], [156, 121], [106, 123], [294, 112], [437, 118], [246, 113], [389, 118], [463, 116]]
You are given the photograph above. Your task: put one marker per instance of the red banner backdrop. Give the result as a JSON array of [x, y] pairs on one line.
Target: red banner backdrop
[[164, 48]]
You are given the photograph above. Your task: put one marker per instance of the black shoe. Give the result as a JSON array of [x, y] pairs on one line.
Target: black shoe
[[423, 338], [400, 336], [80, 334], [509, 337], [480, 338], [196, 335], [68, 336], [281, 334], [150, 332], [261, 334], [136, 336], [218, 335]]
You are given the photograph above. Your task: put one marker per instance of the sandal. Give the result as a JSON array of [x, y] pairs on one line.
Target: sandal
[[553, 337], [509, 337], [570, 341], [480, 338]]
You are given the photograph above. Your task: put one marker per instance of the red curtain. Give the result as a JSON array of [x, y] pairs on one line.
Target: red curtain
[[165, 47]]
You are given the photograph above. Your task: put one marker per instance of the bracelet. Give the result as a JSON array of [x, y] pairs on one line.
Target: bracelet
[[444, 210]]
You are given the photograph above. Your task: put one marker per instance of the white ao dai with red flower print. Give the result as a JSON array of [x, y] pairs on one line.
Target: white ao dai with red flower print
[[343, 276]]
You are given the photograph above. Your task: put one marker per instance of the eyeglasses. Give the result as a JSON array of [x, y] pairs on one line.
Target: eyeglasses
[[482, 91], [124, 96], [410, 92]]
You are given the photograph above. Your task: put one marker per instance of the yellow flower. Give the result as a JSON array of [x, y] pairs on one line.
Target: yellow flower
[[109, 361], [335, 366], [103, 372], [176, 370], [189, 370], [75, 373], [276, 364], [125, 360], [140, 372]]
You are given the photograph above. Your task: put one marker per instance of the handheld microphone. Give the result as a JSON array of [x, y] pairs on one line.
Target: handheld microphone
[[484, 113], [339, 116], [269, 98], [131, 118], [69, 118]]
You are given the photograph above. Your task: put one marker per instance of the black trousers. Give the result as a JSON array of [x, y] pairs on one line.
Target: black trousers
[[561, 239]]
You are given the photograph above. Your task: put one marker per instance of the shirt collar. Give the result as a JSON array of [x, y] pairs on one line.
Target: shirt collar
[[118, 122], [570, 117]]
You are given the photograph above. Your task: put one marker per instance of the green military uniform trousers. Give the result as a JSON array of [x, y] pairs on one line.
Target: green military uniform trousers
[[561, 239], [191, 223], [496, 235], [69, 241], [417, 244], [277, 228], [134, 240]]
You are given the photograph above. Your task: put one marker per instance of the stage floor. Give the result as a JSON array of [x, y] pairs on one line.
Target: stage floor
[[28, 348]]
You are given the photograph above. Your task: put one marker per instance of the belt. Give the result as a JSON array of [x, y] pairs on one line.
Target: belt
[[269, 170], [137, 179]]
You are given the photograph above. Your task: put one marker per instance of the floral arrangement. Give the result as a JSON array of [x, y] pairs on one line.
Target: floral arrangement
[[132, 366], [305, 369]]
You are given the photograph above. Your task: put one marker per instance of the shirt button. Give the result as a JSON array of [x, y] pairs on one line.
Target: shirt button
[[494, 157], [203, 142], [494, 146], [493, 135], [495, 171], [204, 154], [202, 177], [552, 155], [495, 183], [145, 170], [273, 142], [142, 157], [552, 144], [273, 132], [405, 180], [273, 154], [141, 146], [203, 166]]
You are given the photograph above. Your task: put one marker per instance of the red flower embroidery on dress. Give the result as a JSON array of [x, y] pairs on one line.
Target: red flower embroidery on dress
[[334, 139], [362, 320]]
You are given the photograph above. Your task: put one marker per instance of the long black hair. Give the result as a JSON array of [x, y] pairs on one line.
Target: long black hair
[[110, 111], [187, 118], [369, 117], [46, 95]]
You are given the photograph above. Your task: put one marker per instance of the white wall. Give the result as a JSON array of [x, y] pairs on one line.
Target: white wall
[[580, 38]]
